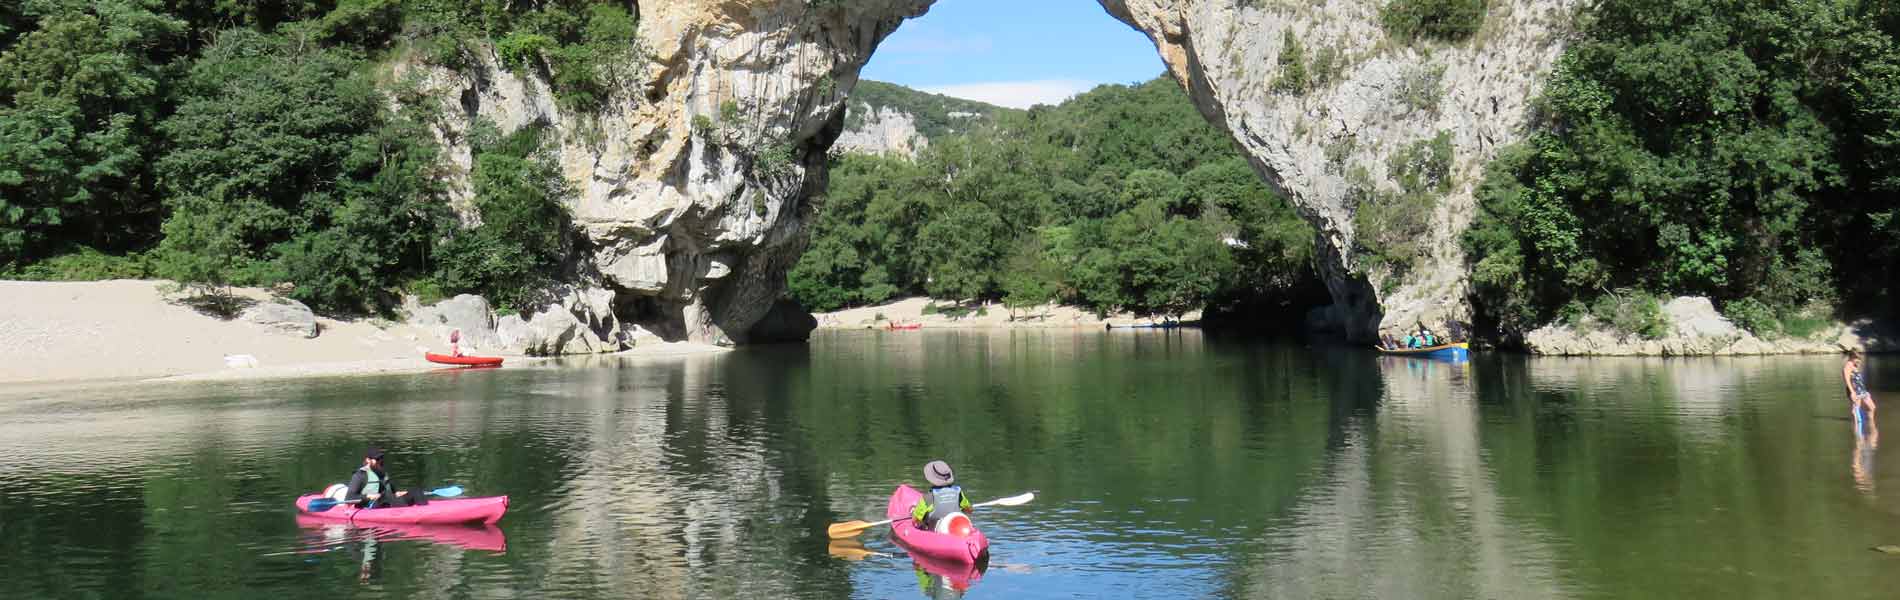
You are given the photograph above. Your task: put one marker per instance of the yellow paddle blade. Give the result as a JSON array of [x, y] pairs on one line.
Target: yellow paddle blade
[[849, 550], [847, 529]]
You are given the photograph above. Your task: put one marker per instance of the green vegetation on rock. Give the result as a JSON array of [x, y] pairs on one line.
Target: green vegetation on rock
[[1745, 151], [936, 115], [247, 143]]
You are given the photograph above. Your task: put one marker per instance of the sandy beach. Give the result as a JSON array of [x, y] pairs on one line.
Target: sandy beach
[[72, 332], [992, 315]]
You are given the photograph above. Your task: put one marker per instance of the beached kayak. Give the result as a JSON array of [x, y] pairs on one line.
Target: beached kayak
[[476, 361], [940, 546], [906, 327], [446, 511]]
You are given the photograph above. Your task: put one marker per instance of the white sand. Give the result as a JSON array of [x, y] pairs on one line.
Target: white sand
[[129, 330], [911, 310]]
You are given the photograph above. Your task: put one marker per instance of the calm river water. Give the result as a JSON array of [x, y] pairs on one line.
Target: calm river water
[[1166, 465]]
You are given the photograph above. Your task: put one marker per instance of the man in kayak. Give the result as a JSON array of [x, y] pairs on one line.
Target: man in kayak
[[945, 496], [370, 487]]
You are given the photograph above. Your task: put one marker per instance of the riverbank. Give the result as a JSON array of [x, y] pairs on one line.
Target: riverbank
[[127, 330], [930, 314]]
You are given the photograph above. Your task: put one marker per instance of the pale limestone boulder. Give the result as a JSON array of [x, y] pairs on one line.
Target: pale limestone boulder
[[283, 316], [467, 312]]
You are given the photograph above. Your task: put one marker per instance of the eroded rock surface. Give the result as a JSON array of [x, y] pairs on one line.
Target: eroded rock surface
[[694, 179], [1383, 95]]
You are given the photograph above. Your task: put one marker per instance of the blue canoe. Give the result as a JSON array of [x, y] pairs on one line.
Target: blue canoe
[[1458, 351]]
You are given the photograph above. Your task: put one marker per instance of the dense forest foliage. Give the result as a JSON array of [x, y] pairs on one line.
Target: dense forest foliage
[[1123, 198], [1742, 150], [257, 143]]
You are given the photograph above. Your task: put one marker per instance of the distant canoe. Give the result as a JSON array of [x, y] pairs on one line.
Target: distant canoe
[[472, 361], [1458, 351], [896, 327], [1163, 325]]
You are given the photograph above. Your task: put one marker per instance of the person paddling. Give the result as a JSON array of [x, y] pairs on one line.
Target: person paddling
[[944, 498], [371, 487], [1860, 401]]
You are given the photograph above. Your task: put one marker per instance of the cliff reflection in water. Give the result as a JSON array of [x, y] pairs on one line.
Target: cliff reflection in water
[[1165, 464]]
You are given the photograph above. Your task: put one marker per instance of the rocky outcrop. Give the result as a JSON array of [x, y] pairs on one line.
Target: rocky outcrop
[[285, 316], [467, 313], [1326, 146], [884, 130], [1696, 329], [693, 179]]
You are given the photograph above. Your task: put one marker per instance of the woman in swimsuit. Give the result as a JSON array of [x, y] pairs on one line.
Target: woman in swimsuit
[[1857, 395]]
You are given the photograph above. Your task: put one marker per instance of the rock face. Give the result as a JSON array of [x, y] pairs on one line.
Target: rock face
[[885, 130], [468, 312], [694, 179], [1386, 93], [1696, 329], [286, 316]]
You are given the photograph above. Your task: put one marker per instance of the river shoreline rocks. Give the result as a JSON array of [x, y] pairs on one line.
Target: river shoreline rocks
[[1696, 329]]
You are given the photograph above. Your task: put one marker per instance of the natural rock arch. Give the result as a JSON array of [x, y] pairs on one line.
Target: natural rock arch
[[695, 181]]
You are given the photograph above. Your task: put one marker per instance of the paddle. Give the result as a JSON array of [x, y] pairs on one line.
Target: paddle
[[853, 528], [323, 504]]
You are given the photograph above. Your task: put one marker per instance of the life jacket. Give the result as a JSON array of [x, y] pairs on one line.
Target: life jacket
[[943, 501], [372, 483]]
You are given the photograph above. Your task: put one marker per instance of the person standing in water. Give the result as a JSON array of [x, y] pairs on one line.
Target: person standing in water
[[1861, 402]]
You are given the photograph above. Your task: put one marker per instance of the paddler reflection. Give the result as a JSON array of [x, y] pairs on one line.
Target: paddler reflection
[[944, 580]]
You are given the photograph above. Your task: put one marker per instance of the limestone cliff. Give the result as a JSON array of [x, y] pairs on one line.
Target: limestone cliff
[[884, 130], [694, 180], [1327, 146]]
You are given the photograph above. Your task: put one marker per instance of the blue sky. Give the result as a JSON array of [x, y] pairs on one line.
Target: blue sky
[[1013, 53]]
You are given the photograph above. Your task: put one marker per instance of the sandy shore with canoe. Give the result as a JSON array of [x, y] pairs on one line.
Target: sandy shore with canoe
[[76, 332]]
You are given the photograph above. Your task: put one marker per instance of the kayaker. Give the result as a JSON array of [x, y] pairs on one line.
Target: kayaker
[[945, 496], [371, 487], [1860, 401], [455, 340]]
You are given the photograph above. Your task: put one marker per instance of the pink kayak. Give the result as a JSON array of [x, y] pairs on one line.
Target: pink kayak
[[486, 538], [447, 511], [930, 544]]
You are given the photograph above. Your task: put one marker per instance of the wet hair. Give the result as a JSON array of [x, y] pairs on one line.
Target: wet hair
[[1856, 355]]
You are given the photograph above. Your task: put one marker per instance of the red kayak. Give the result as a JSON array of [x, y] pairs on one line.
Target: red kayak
[[473, 361], [942, 547], [447, 511]]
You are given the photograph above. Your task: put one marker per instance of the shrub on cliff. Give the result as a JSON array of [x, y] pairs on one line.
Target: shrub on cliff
[[1739, 150], [523, 237], [1446, 20]]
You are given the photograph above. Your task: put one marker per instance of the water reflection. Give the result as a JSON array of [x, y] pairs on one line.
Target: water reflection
[[1166, 464]]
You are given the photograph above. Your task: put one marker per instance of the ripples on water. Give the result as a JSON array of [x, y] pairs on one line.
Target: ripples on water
[[1166, 464]]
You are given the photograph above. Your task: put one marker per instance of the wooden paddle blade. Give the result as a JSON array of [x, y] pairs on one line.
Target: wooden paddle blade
[[847, 529]]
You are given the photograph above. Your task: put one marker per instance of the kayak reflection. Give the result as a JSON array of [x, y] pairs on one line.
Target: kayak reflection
[[484, 538], [943, 579]]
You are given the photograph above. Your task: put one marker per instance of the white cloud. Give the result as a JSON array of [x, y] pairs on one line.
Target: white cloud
[[1015, 94]]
